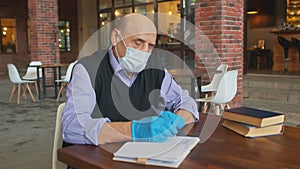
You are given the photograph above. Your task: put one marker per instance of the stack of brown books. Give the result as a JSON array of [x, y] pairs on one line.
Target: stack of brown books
[[251, 122]]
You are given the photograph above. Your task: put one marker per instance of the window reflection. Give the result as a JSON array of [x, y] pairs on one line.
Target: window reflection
[[103, 4], [121, 12], [64, 36], [120, 3], [169, 27], [104, 18], [142, 1], [144, 8], [8, 35]]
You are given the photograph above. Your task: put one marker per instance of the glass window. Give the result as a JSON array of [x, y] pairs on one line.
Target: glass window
[[103, 4], [169, 7], [169, 25], [121, 12], [64, 36], [142, 1], [8, 35], [104, 18], [144, 8], [121, 3]]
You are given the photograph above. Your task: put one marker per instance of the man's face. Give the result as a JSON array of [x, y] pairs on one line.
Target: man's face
[[143, 42]]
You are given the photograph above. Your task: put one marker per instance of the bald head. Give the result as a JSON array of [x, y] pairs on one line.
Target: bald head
[[135, 23], [133, 30]]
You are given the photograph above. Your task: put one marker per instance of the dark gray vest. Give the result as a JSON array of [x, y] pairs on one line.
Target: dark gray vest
[[114, 99]]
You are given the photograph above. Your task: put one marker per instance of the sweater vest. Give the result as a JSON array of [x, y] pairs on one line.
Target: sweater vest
[[117, 101]]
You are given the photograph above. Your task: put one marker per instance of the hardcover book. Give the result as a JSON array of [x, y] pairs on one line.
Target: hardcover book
[[252, 116], [253, 131], [169, 153]]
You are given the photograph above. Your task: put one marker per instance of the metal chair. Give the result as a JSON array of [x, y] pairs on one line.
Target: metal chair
[[65, 81], [286, 44], [296, 43], [18, 82], [57, 138], [31, 74], [224, 93]]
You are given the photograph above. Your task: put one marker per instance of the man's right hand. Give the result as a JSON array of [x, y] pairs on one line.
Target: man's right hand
[[156, 128]]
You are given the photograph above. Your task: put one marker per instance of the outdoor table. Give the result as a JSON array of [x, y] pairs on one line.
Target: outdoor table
[[224, 149], [54, 66]]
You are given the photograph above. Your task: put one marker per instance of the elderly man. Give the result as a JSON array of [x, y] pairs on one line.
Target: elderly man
[[109, 96]]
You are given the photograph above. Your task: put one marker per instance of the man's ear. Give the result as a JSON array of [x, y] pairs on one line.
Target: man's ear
[[115, 37]]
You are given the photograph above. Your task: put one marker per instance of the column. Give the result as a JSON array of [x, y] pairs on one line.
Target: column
[[43, 26], [222, 21]]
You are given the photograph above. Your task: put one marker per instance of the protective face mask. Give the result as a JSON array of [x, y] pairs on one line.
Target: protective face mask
[[134, 60]]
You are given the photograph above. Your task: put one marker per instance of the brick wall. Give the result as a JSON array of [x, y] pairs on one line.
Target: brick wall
[[43, 22], [222, 23], [21, 57]]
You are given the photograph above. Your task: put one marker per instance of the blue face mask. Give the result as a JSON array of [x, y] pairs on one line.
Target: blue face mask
[[134, 60]]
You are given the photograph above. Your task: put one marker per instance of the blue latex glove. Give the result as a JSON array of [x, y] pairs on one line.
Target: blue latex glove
[[156, 128]]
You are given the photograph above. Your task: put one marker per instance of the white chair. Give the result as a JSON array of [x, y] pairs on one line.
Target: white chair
[[213, 85], [222, 67], [18, 82], [225, 92], [31, 73], [65, 81], [57, 138]]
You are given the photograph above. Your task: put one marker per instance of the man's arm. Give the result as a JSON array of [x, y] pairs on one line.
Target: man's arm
[[152, 128], [186, 115], [179, 100], [115, 132], [77, 125]]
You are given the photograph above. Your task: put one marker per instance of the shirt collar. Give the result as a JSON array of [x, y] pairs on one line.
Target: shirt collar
[[113, 61]]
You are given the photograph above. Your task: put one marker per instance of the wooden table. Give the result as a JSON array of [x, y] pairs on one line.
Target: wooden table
[[259, 57], [224, 149], [54, 66]]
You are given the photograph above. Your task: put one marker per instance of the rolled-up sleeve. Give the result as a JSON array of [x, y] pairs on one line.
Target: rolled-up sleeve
[[78, 127], [177, 98]]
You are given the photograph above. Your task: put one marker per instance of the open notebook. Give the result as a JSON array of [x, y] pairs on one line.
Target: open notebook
[[169, 153]]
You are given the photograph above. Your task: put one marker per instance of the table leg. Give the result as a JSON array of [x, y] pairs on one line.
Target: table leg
[[59, 78], [38, 81], [44, 82], [193, 92], [55, 84], [200, 92]]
